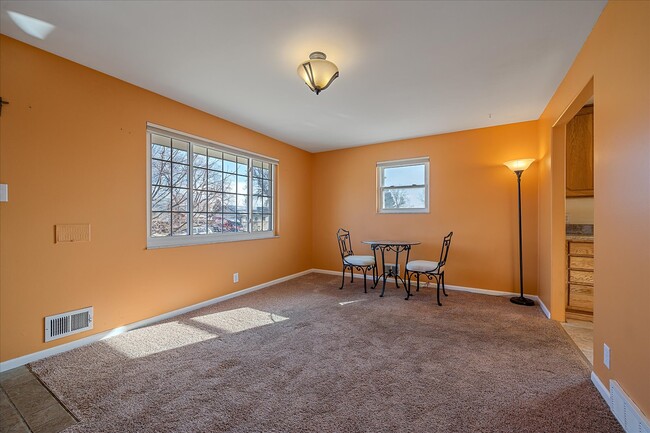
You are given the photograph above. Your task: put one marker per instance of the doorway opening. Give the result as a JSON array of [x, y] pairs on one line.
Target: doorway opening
[[573, 140]]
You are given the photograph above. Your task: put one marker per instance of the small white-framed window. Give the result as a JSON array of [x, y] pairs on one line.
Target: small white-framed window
[[200, 191], [403, 186]]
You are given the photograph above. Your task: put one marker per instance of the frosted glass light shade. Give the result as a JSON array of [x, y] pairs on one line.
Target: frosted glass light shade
[[32, 26], [317, 72], [519, 164]]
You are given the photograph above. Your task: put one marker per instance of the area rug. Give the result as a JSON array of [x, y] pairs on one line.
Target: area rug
[[304, 356]]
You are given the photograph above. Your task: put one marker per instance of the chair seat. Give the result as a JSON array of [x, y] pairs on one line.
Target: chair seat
[[360, 260], [422, 266]]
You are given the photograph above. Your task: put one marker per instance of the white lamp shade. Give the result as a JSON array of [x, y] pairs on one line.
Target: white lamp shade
[[519, 164], [317, 72]]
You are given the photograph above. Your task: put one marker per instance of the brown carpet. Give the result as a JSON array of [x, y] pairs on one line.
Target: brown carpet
[[303, 356]]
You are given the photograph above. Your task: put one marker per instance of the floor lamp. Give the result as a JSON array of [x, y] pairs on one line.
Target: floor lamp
[[518, 166]]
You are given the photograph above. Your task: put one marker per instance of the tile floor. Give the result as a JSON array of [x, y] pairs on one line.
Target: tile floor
[[582, 334], [26, 406]]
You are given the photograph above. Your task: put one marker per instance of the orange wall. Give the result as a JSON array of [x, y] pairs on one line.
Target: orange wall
[[471, 193], [617, 56], [72, 148]]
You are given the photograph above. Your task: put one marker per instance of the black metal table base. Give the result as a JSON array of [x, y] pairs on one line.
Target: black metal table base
[[397, 248], [387, 275]]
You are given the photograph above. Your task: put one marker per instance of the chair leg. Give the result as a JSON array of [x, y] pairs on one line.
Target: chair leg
[[375, 278], [443, 284], [417, 287], [365, 271], [343, 282], [408, 281], [407, 284], [438, 291], [351, 274]]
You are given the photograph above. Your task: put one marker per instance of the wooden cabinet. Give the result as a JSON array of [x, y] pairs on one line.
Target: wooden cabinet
[[580, 279], [580, 154]]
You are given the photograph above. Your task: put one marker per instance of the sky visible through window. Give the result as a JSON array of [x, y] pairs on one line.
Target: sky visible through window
[[404, 176]]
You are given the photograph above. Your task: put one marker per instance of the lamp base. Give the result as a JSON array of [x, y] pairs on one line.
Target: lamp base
[[520, 300]]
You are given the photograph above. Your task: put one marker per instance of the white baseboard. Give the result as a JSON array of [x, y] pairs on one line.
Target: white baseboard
[[545, 310], [325, 271], [486, 291], [604, 392], [535, 298], [26, 359]]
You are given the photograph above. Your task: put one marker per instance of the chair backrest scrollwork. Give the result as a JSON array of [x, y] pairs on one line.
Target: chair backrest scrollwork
[[445, 250], [345, 245]]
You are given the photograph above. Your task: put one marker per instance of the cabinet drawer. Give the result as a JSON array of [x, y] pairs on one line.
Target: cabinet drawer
[[584, 277], [581, 263], [581, 248], [581, 297]]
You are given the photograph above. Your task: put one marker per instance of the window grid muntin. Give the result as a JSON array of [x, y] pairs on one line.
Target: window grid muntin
[[168, 215], [230, 211], [240, 214], [263, 176]]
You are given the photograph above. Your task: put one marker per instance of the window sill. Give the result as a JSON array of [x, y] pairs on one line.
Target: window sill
[[172, 242], [403, 211]]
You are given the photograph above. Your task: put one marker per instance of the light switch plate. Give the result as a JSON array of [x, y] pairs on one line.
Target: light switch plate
[[4, 192]]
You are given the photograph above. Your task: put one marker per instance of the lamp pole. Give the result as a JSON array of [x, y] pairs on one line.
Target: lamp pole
[[520, 300]]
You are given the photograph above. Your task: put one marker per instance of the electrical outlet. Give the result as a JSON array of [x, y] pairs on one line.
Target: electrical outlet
[[391, 268], [606, 355], [235, 277]]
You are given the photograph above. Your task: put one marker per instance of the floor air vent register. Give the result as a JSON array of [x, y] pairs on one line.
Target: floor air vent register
[[64, 324]]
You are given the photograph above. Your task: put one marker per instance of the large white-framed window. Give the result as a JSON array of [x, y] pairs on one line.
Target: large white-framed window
[[403, 186], [200, 191]]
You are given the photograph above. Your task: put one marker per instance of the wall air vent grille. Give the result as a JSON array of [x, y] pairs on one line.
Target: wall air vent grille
[[625, 411], [62, 325]]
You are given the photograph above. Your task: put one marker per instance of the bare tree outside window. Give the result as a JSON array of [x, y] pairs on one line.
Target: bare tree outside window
[[197, 190], [169, 186]]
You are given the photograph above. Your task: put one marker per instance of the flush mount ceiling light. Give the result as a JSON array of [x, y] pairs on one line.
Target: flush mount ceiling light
[[32, 26], [317, 72]]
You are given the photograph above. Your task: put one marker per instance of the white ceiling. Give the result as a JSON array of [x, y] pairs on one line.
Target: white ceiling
[[407, 69]]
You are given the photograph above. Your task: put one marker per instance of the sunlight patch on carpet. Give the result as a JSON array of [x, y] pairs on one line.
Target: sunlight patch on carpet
[[350, 302], [158, 338], [240, 319]]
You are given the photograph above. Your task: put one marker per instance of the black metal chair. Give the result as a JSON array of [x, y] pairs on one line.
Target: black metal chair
[[350, 260], [430, 269]]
